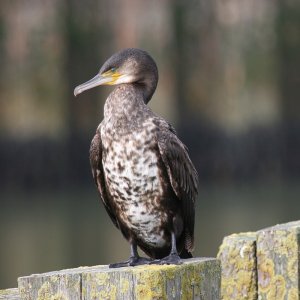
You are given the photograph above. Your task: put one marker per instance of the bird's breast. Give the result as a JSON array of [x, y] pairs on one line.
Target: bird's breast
[[133, 179]]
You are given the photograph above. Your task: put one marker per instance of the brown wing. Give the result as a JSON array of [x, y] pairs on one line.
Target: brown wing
[[98, 174], [183, 177]]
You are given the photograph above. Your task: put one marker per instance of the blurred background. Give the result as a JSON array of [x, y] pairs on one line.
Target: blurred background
[[229, 83]]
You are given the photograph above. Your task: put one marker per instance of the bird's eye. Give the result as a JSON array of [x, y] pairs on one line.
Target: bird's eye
[[113, 69]]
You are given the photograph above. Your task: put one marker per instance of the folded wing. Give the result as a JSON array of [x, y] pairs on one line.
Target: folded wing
[[182, 175]]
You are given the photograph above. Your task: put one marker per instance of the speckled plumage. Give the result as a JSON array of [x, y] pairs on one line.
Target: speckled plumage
[[145, 177]]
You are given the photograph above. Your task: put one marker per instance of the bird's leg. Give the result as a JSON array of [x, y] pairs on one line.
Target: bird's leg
[[173, 258], [134, 259]]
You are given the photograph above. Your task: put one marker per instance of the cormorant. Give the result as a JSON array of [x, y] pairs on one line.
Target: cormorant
[[142, 170]]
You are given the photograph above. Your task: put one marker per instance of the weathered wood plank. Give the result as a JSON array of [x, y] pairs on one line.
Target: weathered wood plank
[[64, 284], [238, 260], [9, 294], [278, 262], [197, 278]]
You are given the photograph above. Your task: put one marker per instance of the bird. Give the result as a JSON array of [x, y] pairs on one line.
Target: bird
[[143, 172]]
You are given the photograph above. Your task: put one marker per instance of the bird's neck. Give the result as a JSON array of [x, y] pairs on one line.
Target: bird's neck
[[149, 86], [125, 102]]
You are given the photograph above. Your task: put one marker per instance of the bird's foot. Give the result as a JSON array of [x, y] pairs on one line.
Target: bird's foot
[[137, 261], [119, 264], [133, 261], [172, 259]]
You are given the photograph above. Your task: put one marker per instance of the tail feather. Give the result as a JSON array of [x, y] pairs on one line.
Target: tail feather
[[185, 254]]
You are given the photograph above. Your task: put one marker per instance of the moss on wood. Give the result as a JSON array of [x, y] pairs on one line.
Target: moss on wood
[[238, 259], [197, 278], [9, 294], [278, 262]]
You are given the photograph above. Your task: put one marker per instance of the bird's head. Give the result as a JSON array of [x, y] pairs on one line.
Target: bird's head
[[127, 66]]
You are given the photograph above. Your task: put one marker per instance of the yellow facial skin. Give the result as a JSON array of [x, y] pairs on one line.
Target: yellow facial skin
[[109, 77], [113, 75]]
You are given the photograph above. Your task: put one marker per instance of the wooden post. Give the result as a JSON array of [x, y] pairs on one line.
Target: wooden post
[[264, 265], [278, 262], [9, 294], [238, 260], [197, 278]]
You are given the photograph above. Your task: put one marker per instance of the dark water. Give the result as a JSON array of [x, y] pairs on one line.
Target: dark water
[[55, 229]]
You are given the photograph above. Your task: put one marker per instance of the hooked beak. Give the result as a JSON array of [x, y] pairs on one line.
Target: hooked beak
[[97, 80]]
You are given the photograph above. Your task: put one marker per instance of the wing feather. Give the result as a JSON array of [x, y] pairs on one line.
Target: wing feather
[[98, 174], [183, 177]]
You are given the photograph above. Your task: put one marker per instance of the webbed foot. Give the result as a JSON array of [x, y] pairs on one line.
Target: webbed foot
[[172, 259], [133, 261], [119, 264]]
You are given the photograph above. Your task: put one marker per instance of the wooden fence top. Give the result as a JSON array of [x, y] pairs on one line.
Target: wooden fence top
[[197, 278]]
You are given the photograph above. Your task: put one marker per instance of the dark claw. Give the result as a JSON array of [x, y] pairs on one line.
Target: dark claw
[[172, 259], [119, 264], [133, 261], [137, 261]]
